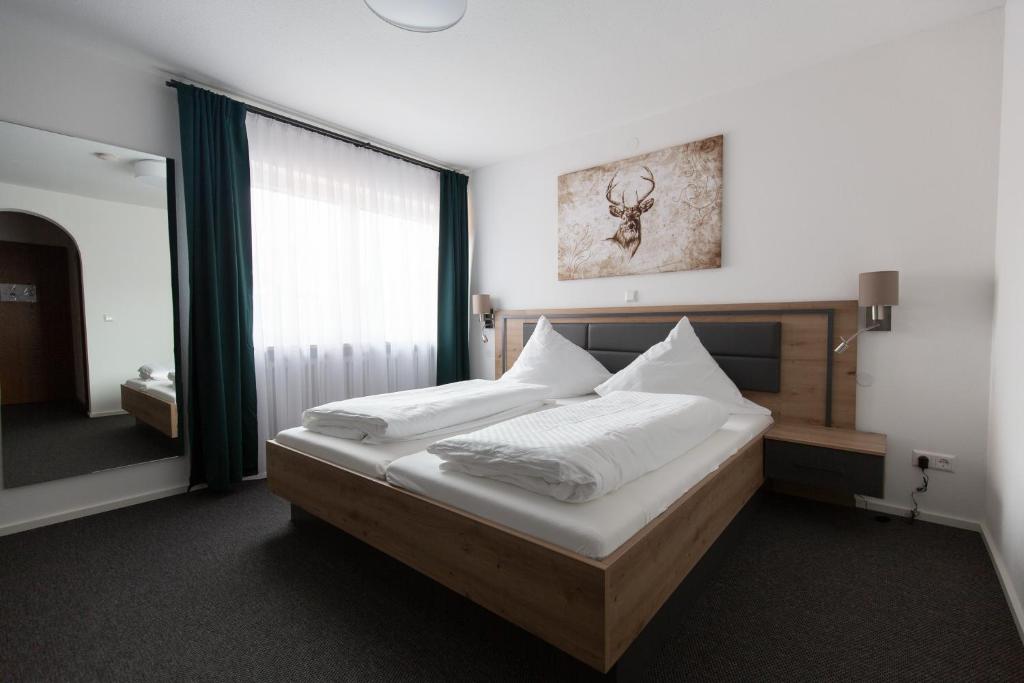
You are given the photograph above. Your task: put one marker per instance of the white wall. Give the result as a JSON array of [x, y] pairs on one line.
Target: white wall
[[49, 81], [1004, 518], [885, 159], [126, 274]]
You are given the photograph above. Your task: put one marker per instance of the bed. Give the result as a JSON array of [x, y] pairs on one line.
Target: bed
[[591, 585], [153, 403]]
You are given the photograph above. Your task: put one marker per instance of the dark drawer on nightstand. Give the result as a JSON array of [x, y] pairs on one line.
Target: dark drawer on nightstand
[[824, 468]]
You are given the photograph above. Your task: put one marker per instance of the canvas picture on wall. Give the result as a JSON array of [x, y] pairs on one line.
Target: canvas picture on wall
[[652, 213]]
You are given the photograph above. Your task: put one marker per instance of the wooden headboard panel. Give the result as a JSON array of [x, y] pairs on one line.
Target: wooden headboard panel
[[816, 385]]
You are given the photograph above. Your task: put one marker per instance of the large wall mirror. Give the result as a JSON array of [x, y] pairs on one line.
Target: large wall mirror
[[87, 310]]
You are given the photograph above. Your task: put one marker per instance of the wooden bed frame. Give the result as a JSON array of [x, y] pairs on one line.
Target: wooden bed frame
[[591, 609], [159, 414]]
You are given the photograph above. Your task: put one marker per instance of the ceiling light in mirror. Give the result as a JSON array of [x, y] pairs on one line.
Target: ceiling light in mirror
[[151, 172]]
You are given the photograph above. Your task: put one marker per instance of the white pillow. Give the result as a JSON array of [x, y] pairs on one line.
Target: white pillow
[[552, 360], [680, 365]]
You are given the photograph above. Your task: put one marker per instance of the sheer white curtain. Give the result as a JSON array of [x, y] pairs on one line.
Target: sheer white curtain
[[344, 244]]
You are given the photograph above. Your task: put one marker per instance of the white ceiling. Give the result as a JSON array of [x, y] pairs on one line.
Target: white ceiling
[[60, 163], [514, 76]]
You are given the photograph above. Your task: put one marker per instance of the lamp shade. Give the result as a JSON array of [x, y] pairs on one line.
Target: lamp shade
[[880, 288], [151, 172], [481, 304]]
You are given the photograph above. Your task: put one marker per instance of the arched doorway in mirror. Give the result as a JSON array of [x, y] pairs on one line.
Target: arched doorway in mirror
[[49, 428], [41, 315]]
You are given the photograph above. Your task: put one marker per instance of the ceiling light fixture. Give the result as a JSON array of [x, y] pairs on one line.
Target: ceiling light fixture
[[150, 172], [422, 16]]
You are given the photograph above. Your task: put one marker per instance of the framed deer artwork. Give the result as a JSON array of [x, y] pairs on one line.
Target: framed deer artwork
[[654, 213]]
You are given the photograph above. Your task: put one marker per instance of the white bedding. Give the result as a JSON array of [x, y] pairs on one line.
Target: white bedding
[[161, 389], [372, 459], [581, 452], [596, 528], [154, 372], [417, 413], [365, 458]]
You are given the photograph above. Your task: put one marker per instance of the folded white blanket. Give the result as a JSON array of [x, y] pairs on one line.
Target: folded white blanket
[[450, 430], [581, 452], [153, 372], [411, 414]]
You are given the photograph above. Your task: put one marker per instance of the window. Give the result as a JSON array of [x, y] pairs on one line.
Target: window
[[344, 271]]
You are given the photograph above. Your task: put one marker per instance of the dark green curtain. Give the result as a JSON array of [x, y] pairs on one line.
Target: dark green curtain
[[453, 280], [222, 379]]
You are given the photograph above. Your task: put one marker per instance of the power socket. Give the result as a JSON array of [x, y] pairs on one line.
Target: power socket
[[936, 461]]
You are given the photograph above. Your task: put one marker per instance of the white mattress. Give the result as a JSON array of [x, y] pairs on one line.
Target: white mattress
[[158, 388], [373, 459], [571, 400], [163, 390], [596, 528]]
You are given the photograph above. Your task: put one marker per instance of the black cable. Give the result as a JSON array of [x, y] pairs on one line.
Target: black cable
[[923, 488]]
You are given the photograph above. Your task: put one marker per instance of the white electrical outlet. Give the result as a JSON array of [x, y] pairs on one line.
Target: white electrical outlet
[[630, 296], [936, 461]]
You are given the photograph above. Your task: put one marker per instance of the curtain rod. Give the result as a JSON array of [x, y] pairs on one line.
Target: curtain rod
[[327, 132]]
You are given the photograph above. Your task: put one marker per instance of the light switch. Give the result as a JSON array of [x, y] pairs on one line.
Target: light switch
[[107, 318]]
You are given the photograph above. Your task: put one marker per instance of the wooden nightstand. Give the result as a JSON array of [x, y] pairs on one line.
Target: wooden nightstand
[[826, 458]]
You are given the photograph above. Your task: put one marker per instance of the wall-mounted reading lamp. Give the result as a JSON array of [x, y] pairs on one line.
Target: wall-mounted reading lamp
[[482, 309], [879, 292]]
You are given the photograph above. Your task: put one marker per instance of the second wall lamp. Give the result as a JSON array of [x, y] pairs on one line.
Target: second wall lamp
[[879, 291], [482, 309]]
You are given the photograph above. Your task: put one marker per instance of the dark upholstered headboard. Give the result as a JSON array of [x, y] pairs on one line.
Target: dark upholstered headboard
[[780, 355], [749, 353]]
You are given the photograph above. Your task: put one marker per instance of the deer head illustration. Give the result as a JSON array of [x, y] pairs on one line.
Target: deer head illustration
[[628, 234]]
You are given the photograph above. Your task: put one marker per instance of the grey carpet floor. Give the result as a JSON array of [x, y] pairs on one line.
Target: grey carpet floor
[[224, 588], [54, 440]]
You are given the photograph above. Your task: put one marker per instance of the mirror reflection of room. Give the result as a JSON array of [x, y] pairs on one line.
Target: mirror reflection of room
[[87, 368]]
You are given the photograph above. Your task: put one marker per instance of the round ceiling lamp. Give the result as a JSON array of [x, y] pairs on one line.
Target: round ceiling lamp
[[150, 172], [422, 16]]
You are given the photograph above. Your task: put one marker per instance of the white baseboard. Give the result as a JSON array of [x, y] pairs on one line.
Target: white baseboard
[[87, 510], [901, 511], [107, 413], [1016, 607]]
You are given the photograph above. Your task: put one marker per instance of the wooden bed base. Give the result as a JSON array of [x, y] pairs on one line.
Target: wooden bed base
[[590, 609], [158, 414]]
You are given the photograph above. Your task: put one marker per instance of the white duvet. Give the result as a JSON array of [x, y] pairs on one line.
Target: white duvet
[[581, 452], [418, 413]]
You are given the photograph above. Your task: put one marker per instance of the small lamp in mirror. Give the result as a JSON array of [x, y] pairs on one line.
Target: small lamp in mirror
[[879, 291], [482, 309]]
